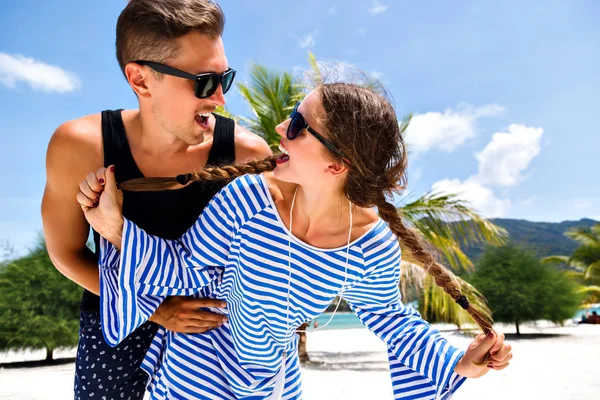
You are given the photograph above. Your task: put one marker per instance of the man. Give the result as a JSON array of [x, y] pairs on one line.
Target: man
[[161, 44]]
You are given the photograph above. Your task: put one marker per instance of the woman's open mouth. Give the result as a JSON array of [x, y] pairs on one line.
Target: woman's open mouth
[[284, 156]]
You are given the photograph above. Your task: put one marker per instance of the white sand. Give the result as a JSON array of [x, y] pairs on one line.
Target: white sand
[[354, 366], [556, 367]]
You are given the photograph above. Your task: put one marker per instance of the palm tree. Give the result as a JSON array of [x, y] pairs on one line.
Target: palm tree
[[444, 220], [271, 96], [584, 263]]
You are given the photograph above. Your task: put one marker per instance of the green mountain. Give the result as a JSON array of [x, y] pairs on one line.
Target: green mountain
[[543, 238]]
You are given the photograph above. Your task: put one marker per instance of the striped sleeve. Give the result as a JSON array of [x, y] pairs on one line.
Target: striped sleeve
[[421, 361], [133, 283]]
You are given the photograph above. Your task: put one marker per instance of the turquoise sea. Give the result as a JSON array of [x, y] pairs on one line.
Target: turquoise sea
[[346, 320], [343, 320]]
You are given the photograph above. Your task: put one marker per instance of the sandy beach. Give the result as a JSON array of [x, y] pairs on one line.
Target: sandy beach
[[549, 362]]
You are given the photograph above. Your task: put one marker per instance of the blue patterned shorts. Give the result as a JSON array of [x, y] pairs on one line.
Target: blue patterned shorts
[[105, 373]]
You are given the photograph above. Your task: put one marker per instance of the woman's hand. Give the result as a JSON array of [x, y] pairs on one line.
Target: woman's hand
[[102, 204], [474, 364]]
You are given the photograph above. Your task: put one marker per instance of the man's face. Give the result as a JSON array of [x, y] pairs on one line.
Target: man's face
[[175, 107]]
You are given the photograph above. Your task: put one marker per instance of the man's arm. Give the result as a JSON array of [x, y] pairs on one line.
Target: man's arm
[[249, 146], [75, 149]]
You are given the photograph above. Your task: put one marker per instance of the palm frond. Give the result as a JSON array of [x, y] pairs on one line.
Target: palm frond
[[316, 75], [556, 260], [592, 270], [221, 110], [591, 289], [271, 96], [587, 237], [448, 222], [574, 274], [584, 260]]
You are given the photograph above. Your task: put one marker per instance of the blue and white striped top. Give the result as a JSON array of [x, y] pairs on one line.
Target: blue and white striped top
[[238, 252]]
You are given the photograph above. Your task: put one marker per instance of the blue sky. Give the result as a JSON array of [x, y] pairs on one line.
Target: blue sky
[[504, 94]]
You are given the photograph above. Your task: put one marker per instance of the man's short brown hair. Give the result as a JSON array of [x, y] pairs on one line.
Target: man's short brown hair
[[147, 29]]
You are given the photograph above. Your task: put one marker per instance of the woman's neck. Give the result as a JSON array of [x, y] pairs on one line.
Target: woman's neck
[[320, 208], [321, 215]]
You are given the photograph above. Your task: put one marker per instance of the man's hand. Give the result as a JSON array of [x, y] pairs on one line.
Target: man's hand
[[182, 314]]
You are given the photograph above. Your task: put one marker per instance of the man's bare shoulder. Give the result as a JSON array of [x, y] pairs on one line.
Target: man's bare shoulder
[[249, 146], [81, 131], [78, 140]]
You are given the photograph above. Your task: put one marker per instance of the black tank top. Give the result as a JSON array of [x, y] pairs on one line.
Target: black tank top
[[170, 213]]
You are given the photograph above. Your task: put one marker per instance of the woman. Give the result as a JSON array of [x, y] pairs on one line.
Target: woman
[[278, 247]]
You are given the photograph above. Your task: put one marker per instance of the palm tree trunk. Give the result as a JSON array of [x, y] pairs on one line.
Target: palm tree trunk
[[302, 353], [517, 324]]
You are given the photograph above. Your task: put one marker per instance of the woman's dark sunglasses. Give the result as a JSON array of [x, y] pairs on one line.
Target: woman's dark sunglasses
[[206, 84], [298, 124]]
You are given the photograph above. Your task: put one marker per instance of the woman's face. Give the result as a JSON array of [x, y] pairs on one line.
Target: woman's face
[[307, 160]]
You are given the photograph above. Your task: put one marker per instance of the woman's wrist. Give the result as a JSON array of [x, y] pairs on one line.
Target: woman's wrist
[[468, 368], [115, 235], [465, 369]]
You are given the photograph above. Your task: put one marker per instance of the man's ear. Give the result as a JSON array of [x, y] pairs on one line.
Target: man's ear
[[137, 76]]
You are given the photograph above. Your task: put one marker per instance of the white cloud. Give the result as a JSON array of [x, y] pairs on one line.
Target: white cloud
[[377, 8], [308, 40], [448, 130], [501, 163], [507, 155], [480, 197], [36, 74], [489, 110], [333, 9]]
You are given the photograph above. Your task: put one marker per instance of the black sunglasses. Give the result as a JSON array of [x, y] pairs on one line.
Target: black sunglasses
[[206, 84], [298, 124]]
